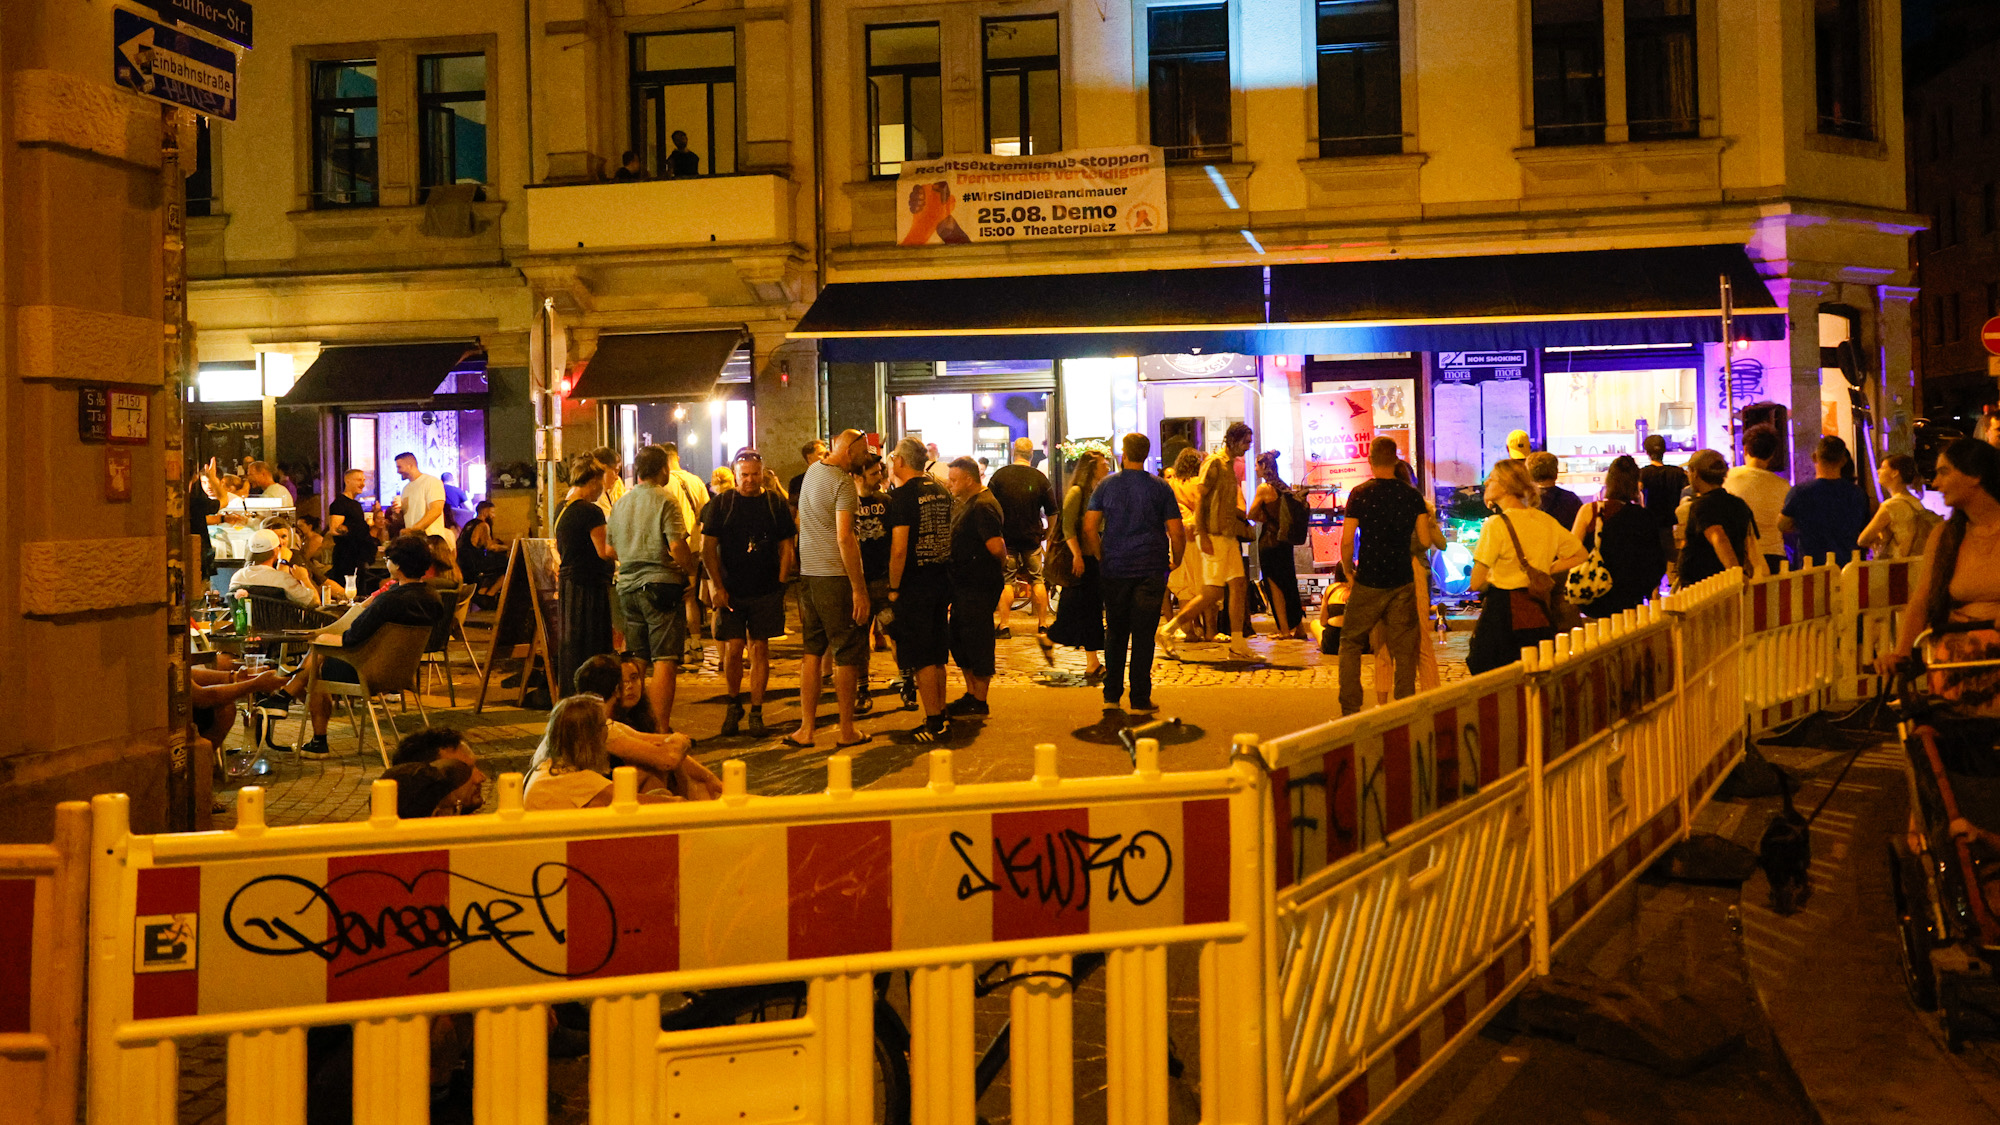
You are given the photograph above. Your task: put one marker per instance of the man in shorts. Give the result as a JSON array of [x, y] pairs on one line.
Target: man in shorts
[[1028, 502], [749, 544], [920, 580], [649, 532], [833, 599], [978, 546]]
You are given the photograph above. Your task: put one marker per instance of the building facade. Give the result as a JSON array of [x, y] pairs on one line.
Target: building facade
[[1954, 170], [1631, 152]]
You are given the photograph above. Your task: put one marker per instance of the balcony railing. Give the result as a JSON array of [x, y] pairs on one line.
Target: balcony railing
[[655, 214]]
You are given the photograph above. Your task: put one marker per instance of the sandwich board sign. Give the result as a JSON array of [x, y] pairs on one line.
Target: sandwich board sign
[[172, 66]]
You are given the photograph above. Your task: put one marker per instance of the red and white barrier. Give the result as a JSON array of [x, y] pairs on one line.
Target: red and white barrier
[[42, 896], [1872, 597], [1788, 644]]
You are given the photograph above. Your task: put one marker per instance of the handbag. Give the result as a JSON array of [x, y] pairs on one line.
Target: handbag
[[1540, 605], [1058, 563], [1592, 580]]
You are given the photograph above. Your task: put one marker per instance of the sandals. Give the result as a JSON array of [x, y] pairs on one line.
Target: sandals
[[788, 740], [864, 701], [862, 741]]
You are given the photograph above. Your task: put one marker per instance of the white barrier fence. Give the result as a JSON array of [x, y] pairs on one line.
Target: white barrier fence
[[259, 933], [1363, 894], [42, 889], [1872, 597]]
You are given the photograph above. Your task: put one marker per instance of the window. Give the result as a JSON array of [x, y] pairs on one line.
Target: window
[[905, 96], [343, 134], [1660, 97], [684, 86], [1188, 81], [1023, 86], [1360, 78], [1841, 70], [1569, 72], [201, 185], [451, 107]]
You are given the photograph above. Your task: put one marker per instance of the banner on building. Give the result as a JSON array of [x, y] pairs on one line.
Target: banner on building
[[974, 198], [172, 66]]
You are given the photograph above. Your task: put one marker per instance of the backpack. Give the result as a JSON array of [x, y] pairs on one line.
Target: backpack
[[1927, 522], [1293, 519]]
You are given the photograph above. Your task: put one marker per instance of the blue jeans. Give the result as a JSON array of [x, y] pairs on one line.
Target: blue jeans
[[1131, 615]]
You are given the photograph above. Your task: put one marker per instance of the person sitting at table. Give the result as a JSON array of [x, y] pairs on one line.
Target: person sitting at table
[[213, 692], [267, 569], [444, 573], [404, 600]]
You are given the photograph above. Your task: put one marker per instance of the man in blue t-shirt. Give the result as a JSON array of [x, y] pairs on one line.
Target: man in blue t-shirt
[[1133, 526], [1828, 512]]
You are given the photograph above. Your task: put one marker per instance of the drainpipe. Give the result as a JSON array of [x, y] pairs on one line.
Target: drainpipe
[[819, 162], [528, 76]]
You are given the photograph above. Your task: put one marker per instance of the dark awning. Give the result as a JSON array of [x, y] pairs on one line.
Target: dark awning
[[657, 365], [378, 374], [1505, 301]]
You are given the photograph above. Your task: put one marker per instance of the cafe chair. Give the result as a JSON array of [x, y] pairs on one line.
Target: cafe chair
[[386, 665], [437, 654]]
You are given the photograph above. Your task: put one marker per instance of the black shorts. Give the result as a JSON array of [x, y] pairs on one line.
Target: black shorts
[[972, 628], [758, 617], [922, 627]]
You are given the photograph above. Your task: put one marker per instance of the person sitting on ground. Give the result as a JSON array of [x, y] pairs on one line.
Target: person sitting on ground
[[1560, 503], [1830, 511], [1721, 529], [662, 757], [403, 600], [435, 788], [1897, 530], [576, 772], [1959, 580], [268, 570], [444, 746], [631, 707]]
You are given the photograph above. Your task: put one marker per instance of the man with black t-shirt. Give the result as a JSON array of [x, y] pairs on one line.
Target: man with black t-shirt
[[978, 550], [1382, 513], [347, 525], [1029, 504], [1660, 487], [920, 580], [748, 544]]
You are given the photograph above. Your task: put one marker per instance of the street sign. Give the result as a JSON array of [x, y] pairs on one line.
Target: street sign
[[224, 19], [1989, 334], [172, 66]]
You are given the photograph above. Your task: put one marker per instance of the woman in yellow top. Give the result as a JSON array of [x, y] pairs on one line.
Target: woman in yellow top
[[1521, 532], [1219, 528]]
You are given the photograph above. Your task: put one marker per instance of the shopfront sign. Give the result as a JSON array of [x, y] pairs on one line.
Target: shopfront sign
[[1339, 427], [1087, 192], [172, 66]]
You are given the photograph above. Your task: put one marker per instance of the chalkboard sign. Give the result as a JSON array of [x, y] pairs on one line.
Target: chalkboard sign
[[529, 621]]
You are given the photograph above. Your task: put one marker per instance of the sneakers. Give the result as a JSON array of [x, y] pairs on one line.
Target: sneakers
[[755, 720], [909, 690], [864, 700], [967, 705], [732, 719], [1005, 634], [1165, 637], [936, 728], [315, 748], [1147, 705]]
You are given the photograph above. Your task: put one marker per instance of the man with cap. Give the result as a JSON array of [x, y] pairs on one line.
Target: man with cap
[[1517, 445], [267, 569]]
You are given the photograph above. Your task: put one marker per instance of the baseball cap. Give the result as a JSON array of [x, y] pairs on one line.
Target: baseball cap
[[263, 540]]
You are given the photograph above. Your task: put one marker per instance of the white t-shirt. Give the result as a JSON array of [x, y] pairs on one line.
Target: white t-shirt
[[1765, 492], [264, 574], [419, 494], [569, 790], [1541, 537]]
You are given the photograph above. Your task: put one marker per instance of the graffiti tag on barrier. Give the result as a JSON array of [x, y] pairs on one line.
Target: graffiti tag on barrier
[[422, 931], [1061, 870]]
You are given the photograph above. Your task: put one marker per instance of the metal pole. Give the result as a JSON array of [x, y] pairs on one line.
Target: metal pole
[[1729, 373]]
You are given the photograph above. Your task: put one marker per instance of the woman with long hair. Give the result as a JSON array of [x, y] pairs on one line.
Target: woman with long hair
[[1218, 528], [585, 559], [1520, 536], [1274, 549], [1079, 619], [1959, 579], [1627, 537], [1896, 529]]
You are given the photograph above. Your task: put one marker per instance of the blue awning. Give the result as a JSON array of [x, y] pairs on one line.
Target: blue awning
[[1654, 295]]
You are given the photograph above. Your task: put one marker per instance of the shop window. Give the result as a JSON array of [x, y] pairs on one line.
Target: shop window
[[1841, 71], [1660, 90], [344, 128], [684, 90], [1023, 85], [1360, 78], [905, 96], [201, 185], [1569, 72], [451, 106], [1188, 81]]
